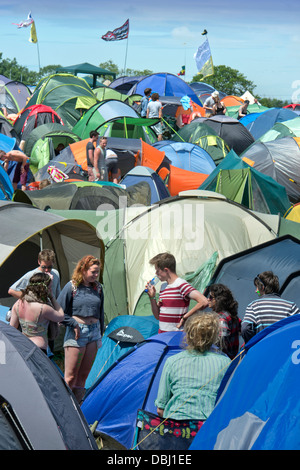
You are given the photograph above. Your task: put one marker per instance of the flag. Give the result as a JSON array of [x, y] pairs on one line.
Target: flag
[[33, 36], [117, 34], [204, 60], [25, 23], [182, 71]]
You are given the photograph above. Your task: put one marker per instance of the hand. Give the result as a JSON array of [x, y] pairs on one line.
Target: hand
[[181, 323], [151, 289], [77, 332]]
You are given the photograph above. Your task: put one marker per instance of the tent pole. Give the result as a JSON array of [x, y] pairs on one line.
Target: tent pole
[[126, 56]]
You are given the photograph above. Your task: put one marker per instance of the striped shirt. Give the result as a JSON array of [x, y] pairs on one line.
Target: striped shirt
[[265, 311], [189, 384], [173, 303]]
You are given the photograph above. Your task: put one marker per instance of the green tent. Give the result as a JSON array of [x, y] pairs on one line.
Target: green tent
[[61, 92], [87, 68], [282, 129], [114, 118], [233, 111], [106, 93], [243, 184]]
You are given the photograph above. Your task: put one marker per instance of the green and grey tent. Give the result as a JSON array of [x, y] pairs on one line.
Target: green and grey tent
[[289, 128], [114, 118], [63, 92], [236, 180]]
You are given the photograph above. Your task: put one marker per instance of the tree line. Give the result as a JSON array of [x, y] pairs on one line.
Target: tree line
[[225, 79]]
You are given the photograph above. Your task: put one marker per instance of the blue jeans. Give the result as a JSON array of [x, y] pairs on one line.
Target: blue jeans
[[88, 334]]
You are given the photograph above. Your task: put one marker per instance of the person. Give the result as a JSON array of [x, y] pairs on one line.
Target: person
[[172, 309], [90, 149], [144, 101], [35, 308], [59, 148], [219, 107], [190, 379], [209, 103], [243, 109], [82, 301], [268, 308], [111, 162], [99, 160], [154, 110], [221, 301], [46, 260], [22, 167]]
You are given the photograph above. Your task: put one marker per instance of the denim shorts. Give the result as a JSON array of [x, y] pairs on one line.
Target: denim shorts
[[88, 334]]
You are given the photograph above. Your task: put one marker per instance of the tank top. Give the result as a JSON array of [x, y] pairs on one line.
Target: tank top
[[33, 328]]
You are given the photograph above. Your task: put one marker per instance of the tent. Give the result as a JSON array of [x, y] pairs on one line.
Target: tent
[[114, 118], [203, 90], [66, 94], [106, 93], [25, 230], [232, 131], [241, 183], [294, 106], [293, 213], [165, 84], [86, 68], [204, 136], [282, 129], [187, 156], [231, 100], [84, 195], [267, 119], [34, 116], [122, 334], [13, 94], [259, 406], [42, 142], [6, 187], [7, 144], [142, 173], [195, 226], [7, 128], [279, 159], [280, 255], [129, 384], [253, 109], [38, 410]]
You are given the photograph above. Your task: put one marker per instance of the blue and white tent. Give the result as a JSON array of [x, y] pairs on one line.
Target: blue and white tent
[[258, 406], [267, 119]]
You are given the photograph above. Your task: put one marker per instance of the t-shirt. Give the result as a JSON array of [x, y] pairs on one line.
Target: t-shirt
[[144, 104], [173, 304], [89, 146], [154, 107], [24, 281]]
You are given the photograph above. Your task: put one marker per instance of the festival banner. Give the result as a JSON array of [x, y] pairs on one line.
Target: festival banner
[[203, 60], [117, 34]]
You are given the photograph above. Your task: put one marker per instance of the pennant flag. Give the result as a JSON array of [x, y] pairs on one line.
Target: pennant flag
[[26, 23], [182, 71], [204, 32], [117, 34], [204, 60], [33, 36]]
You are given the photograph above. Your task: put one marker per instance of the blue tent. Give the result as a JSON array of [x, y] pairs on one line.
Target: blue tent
[[6, 187], [141, 173], [165, 84], [281, 255], [267, 119], [112, 348], [249, 118], [130, 383], [187, 156], [258, 407], [7, 144]]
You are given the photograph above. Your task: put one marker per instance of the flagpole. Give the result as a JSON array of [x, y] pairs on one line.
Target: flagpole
[[38, 53], [126, 56]]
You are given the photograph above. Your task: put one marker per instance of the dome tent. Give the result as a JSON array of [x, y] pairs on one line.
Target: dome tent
[[34, 116], [267, 119], [13, 95], [282, 129]]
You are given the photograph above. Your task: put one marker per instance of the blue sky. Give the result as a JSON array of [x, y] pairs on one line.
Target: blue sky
[[261, 39]]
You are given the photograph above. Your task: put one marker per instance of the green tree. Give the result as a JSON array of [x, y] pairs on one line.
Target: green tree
[[227, 80], [11, 69], [136, 73]]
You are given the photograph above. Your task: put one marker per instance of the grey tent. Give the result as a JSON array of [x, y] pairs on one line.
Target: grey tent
[[37, 409], [25, 230]]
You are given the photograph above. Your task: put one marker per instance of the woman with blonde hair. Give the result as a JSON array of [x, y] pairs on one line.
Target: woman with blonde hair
[[35, 309], [190, 379], [82, 301]]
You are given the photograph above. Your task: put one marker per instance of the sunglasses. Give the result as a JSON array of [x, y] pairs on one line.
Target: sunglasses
[[46, 267], [259, 280]]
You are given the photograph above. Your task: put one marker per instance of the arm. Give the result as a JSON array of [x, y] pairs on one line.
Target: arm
[[56, 313], [164, 391], [91, 156], [202, 303], [160, 112], [154, 307], [15, 293], [248, 324], [65, 300], [96, 160], [14, 320]]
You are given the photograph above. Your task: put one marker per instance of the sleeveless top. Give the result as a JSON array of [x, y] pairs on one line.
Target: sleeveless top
[[33, 328]]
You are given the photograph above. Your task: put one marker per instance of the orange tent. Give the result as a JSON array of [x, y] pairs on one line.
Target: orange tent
[[232, 100]]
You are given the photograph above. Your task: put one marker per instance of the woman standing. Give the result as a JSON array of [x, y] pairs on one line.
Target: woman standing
[[82, 302], [35, 308], [221, 301]]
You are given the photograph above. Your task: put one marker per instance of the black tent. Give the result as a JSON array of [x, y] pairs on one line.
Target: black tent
[[37, 409]]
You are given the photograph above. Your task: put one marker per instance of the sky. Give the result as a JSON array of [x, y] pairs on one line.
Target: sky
[[260, 39]]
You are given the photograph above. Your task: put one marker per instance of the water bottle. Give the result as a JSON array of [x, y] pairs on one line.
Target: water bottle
[[153, 282]]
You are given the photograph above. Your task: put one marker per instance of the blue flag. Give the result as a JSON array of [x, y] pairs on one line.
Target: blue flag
[[203, 60]]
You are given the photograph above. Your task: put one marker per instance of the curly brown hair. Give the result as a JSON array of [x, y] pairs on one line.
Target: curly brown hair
[[83, 265], [202, 331], [38, 286], [225, 301]]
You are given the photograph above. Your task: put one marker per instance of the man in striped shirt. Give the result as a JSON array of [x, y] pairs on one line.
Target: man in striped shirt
[[268, 308], [172, 309]]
